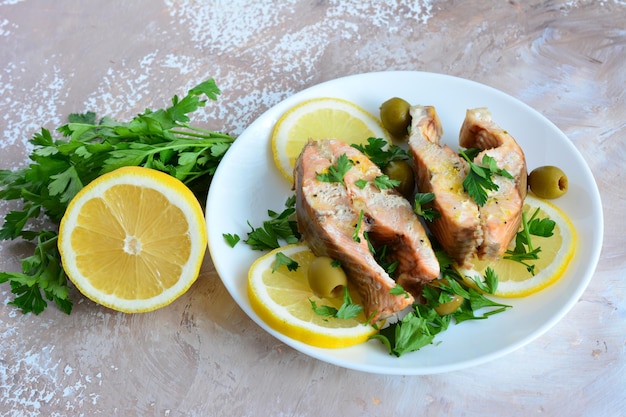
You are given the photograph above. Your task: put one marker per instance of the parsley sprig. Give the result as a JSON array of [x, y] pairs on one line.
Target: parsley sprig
[[347, 310], [524, 250], [278, 229], [282, 259], [420, 326], [479, 178], [380, 152], [421, 199], [337, 171], [162, 139]]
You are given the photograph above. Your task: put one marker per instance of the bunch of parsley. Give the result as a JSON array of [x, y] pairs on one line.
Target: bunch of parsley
[[162, 140]]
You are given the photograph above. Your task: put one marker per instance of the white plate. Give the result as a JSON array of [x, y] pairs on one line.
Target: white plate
[[247, 184]]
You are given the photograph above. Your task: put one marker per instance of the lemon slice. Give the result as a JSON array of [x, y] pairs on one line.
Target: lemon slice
[[556, 252], [282, 297], [133, 239], [320, 118]]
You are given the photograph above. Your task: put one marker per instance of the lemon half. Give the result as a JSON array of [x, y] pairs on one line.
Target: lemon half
[[133, 239]]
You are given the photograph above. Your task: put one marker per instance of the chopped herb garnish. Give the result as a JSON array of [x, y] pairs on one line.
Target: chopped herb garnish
[[357, 228], [421, 199], [417, 329], [338, 171], [398, 290], [282, 259], [280, 227], [231, 239], [383, 182], [381, 257], [524, 250], [347, 310], [361, 183], [489, 283], [420, 326], [376, 152], [479, 178]]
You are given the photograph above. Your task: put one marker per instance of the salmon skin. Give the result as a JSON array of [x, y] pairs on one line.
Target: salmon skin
[[336, 219], [501, 215], [464, 229]]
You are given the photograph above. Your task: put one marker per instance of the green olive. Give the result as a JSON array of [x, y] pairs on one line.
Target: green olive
[[451, 306], [401, 170], [326, 277], [394, 113], [548, 182]]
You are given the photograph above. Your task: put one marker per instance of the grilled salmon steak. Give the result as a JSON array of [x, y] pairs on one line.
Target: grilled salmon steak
[[465, 229], [441, 171], [342, 217], [501, 215]]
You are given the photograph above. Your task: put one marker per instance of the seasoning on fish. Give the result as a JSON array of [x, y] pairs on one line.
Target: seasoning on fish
[[337, 219]]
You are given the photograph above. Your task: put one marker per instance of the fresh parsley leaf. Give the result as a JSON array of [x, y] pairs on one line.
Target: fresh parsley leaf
[[477, 182], [421, 199], [479, 178], [493, 167], [347, 310], [42, 278], [281, 227], [470, 153], [398, 290], [282, 259], [324, 310], [384, 260], [231, 239], [361, 183], [409, 334], [479, 301], [336, 172], [380, 152], [488, 283], [445, 260], [491, 281], [357, 228], [541, 227], [65, 184], [524, 250], [88, 118], [383, 182]]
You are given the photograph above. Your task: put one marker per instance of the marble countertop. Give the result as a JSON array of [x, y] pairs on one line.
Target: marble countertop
[[563, 58]]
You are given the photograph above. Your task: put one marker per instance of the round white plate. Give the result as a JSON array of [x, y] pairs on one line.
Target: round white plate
[[247, 184]]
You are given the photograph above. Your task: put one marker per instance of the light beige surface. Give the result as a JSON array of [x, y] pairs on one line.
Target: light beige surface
[[202, 355]]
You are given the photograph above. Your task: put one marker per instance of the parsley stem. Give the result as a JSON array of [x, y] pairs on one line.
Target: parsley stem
[[527, 232], [47, 244], [464, 155], [208, 135], [174, 146], [357, 228]]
